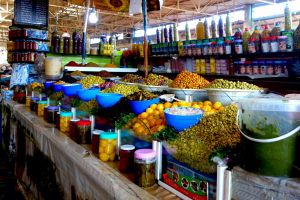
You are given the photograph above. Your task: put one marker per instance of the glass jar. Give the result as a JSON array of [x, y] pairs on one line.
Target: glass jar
[[199, 47], [242, 68], [282, 43], [57, 119], [28, 100], [270, 68], [51, 112], [126, 158], [274, 44], [33, 103], [40, 108], [46, 113], [209, 48], [228, 45], [262, 67], [249, 69], [144, 161], [214, 48], [238, 46], [95, 141], [265, 44], [107, 146], [84, 131], [73, 134], [255, 67], [205, 49], [252, 45], [64, 121]]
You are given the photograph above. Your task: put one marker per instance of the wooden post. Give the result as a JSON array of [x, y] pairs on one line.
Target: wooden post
[[144, 7]]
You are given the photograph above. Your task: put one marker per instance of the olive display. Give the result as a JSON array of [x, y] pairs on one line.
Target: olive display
[[189, 80], [141, 95], [157, 80], [89, 81], [224, 84], [195, 145], [88, 106], [132, 78], [125, 90]]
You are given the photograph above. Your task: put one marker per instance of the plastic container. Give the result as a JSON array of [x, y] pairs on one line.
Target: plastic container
[[238, 46], [126, 158], [270, 129], [265, 44], [64, 121], [84, 131], [87, 94], [40, 108], [140, 106], [71, 89], [107, 100], [282, 43], [145, 162], [274, 45], [107, 146], [51, 113]]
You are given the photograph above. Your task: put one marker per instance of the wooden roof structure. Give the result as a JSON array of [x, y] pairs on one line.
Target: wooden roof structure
[[67, 15]]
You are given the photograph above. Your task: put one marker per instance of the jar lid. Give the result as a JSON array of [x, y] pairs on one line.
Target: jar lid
[[266, 39], [35, 98], [127, 147], [84, 123], [42, 102], [282, 37], [52, 107], [66, 114], [274, 38], [252, 39], [144, 154], [108, 135], [97, 132], [238, 41], [74, 120]]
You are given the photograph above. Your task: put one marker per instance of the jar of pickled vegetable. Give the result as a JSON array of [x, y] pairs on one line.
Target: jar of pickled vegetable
[[73, 133], [84, 131], [107, 146], [40, 108], [126, 158], [28, 99], [46, 113], [33, 103], [95, 141], [145, 161], [51, 112], [57, 120], [64, 121]]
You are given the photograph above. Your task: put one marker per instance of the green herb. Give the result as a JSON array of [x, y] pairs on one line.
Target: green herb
[[75, 102], [169, 133], [123, 120]]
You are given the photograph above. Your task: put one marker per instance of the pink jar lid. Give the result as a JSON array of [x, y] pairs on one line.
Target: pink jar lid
[[144, 154]]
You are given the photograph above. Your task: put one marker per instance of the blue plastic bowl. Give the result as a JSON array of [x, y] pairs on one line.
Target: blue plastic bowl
[[57, 87], [107, 100], [71, 89], [87, 94], [140, 106], [48, 84], [181, 122]]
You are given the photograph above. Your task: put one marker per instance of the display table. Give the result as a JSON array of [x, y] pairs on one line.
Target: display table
[[78, 173]]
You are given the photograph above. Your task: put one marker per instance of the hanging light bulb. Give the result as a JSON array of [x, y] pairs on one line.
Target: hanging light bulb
[[93, 17]]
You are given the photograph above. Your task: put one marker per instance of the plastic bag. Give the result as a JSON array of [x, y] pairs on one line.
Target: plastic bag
[[20, 74]]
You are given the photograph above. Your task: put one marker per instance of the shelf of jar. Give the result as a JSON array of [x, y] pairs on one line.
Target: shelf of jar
[[98, 69], [77, 55]]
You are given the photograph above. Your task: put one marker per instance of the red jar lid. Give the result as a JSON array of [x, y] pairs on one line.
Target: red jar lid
[[252, 40], [84, 123], [274, 38], [266, 39]]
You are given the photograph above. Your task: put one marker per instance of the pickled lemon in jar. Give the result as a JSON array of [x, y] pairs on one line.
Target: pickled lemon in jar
[[107, 146], [40, 108], [64, 121]]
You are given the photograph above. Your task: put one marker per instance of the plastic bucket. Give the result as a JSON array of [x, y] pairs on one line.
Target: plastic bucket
[[270, 136]]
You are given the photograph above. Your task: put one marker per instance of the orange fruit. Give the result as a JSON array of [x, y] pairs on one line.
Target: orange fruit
[[162, 115], [154, 129], [200, 103], [161, 127], [167, 105], [140, 130], [217, 105], [196, 106], [160, 106], [136, 125], [144, 115], [206, 108], [221, 108], [174, 105], [149, 110], [158, 121], [207, 103], [152, 123], [153, 106], [156, 112]]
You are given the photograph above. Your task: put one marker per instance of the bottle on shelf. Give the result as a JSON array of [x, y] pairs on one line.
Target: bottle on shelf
[[276, 30], [246, 35], [176, 35], [213, 28], [238, 34], [55, 42], [206, 29], [171, 39], [61, 46], [200, 32], [287, 18], [187, 32], [266, 32], [71, 46], [166, 37], [162, 35], [256, 34], [157, 36], [221, 27], [297, 37], [228, 29]]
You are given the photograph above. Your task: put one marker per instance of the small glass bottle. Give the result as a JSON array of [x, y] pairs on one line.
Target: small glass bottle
[[145, 160], [84, 131], [64, 121], [40, 108], [126, 158], [252, 45], [107, 146], [265, 44]]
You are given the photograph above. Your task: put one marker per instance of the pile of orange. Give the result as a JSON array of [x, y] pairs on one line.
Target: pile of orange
[[153, 120]]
